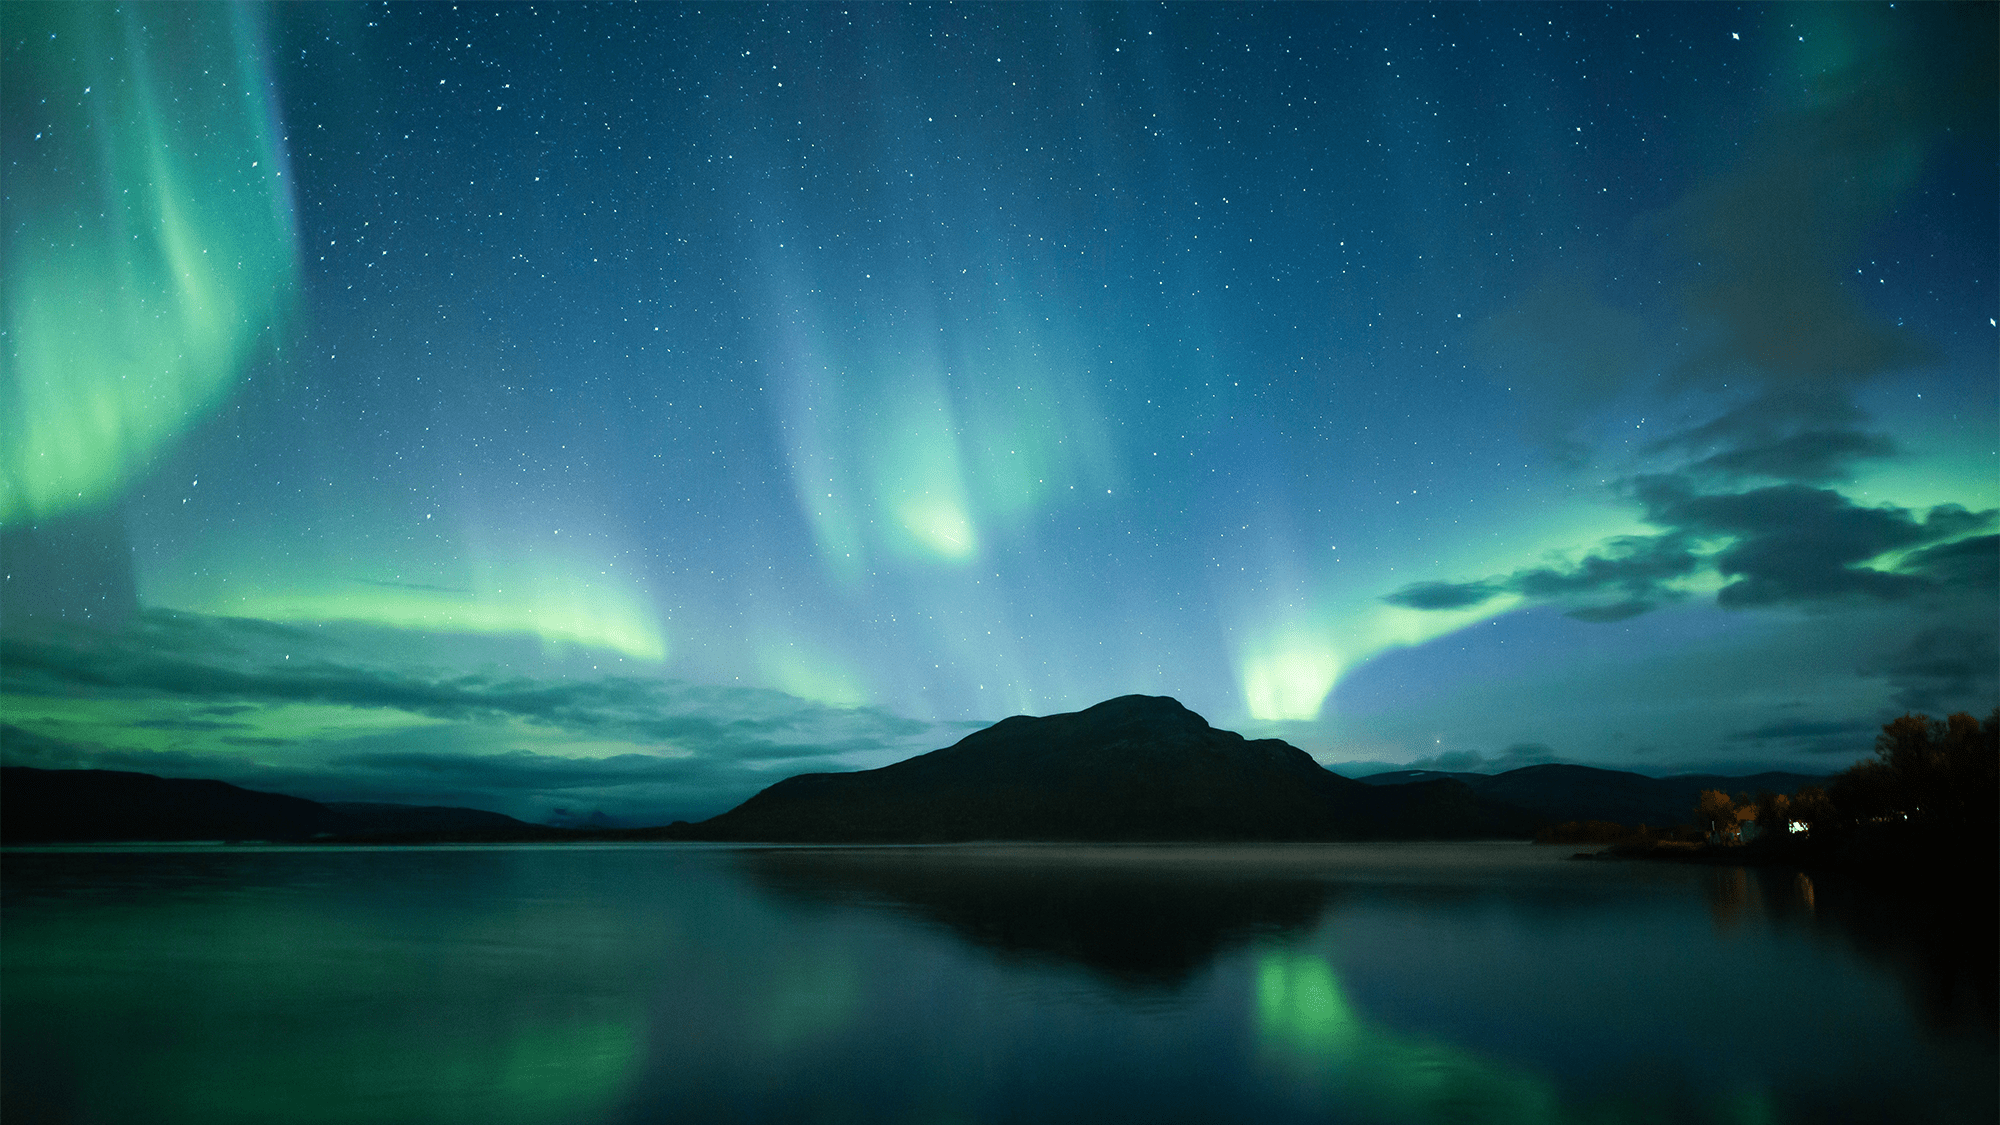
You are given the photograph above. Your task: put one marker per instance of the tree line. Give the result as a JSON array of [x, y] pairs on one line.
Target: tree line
[[1931, 783]]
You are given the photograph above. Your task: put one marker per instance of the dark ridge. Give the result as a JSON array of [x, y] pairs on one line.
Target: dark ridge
[[376, 819], [75, 806], [1135, 768], [40, 806], [1560, 793]]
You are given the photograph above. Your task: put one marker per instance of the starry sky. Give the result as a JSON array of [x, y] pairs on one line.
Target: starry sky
[[575, 410]]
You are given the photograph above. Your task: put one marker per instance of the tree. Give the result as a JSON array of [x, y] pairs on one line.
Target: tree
[[1942, 775], [1774, 812], [1812, 807], [1715, 812]]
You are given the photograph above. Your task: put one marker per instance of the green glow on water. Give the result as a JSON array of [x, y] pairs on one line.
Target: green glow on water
[[1299, 1003], [809, 997], [150, 240], [512, 1074], [1314, 1031], [301, 1004]]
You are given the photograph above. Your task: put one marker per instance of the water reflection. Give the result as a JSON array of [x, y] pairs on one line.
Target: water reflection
[[687, 984], [1728, 892], [280, 986], [1311, 1032], [1937, 941], [1137, 921]]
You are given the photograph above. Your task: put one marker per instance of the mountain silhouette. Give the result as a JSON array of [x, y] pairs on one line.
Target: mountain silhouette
[[1559, 792], [1135, 768], [76, 806]]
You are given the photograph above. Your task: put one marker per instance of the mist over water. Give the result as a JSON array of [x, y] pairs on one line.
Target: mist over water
[[1398, 983]]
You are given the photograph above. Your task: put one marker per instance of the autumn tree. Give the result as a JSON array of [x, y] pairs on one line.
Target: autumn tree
[[1715, 811]]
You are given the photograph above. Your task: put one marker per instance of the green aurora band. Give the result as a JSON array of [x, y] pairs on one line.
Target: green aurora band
[[150, 248]]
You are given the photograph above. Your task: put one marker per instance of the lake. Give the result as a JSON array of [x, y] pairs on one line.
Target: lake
[[1364, 983]]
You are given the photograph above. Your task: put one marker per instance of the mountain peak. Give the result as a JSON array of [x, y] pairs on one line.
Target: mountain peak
[[1137, 767], [1143, 706]]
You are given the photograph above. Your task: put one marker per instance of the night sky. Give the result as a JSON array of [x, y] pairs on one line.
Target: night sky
[[564, 409]]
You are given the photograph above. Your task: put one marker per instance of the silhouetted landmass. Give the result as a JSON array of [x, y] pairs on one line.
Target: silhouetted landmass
[[1562, 793], [88, 806], [1589, 832], [1925, 810], [377, 819], [1135, 768], [1132, 769]]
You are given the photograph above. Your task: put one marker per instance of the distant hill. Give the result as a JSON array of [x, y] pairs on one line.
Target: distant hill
[[1136, 768], [1558, 793], [375, 819], [1129, 769], [78, 806]]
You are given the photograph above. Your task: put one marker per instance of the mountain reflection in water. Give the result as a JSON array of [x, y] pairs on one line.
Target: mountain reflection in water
[[1139, 921], [573, 986], [1148, 922]]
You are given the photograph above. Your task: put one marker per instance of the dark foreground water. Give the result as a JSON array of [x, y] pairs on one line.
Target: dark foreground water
[[1395, 983]]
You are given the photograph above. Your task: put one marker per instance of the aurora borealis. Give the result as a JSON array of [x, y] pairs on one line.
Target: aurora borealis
[[618, 409]]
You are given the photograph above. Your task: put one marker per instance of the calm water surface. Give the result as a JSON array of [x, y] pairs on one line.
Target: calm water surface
[[1365, 983]]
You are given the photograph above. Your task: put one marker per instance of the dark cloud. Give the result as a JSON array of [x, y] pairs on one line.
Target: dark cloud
[[1779, 545], [413, 586], [1472, 761], [20, 746], [1566, 355], [631, 788], [1799, 728], [743, 723], [1854, 737], [718, 744], [1807, 457], [185, 724], [1765, 336], [1793, 544], [1769, 241], [1616, 611], [1639, 567], [1767, 244], [1635, 564], [1970, 564], [1444, 595], [1945, 668], [519, 769]]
